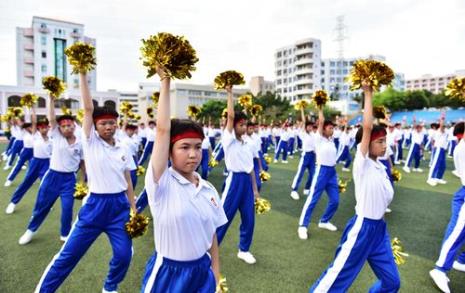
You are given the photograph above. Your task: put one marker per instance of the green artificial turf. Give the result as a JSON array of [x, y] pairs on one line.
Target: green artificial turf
[[284, 262]]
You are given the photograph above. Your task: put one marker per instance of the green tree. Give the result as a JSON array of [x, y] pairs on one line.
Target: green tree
[[212, 109]]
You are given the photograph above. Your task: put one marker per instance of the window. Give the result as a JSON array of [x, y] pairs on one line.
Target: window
[[43, 40], [44, 54], [60, 59], [43, 68]]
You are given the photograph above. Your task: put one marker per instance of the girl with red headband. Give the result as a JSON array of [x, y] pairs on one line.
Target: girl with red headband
[[240, 190], [365, 237], [42, 150], [454, 237], [107, 207], [60, 179], [185, 208]]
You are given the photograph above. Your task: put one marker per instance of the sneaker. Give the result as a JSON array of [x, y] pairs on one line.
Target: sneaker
[[302, 231], [26, 238], [388, 210], [10, 208], [106, 291], [246, 256], [406, 169], [397, 163], [345, 169], [63, 238], [284, 162], [441, 181], [456, 173], [292, 157], [440, 279], [306, 191], [275, 161], [8, 183], [327, 226], [6, 167], [458, 266], [432, 182], [23, 167], [418, 170], [295, 195]]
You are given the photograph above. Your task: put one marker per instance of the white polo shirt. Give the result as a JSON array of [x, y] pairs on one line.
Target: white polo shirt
[[185, 216], [237, 155], [250, 141], [417, 137], [28, 140], [142, 132], [285, 135], [344, 139], [373, 190], [440, 139], [151, 133], [308, 141], [206, 143], [337, 132], [459, 160], [105, 164], [42, 149], [65, 157], [325, 151]]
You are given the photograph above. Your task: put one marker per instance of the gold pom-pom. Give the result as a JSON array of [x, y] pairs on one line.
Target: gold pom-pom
[[396, 175], [256, 110], [301, 104], [456, 88], [54, 86], [320, 98], [80, 115], [125, 107], [245, 101], [375, 73], [137, 225], [16, 112], [265, 176], [155, 97], [268, 160], [222, 286], [81, 56], [150, 112], [5, 117], [379, 112], [398, 251], [262, 206], [228, 78], [213, 163], [66, 111], [224, 114], [28, 100], [174, 53], [193, 111], [137, 116], [342, 185], [80, 190], [140, 170]]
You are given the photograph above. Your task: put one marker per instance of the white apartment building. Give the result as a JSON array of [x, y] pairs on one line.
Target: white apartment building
[[258, 84], [434, 84], [40, 52], [183, 95], [132, 98], [298, 69]]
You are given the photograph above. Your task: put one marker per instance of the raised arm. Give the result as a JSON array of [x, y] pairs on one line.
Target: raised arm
[[88, 105], [321, 120], [51, 112], [230, 107], [367, 123], [33, 119], [160, 154]]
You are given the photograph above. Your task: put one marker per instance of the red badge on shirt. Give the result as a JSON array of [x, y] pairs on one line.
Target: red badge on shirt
[[214, 202]]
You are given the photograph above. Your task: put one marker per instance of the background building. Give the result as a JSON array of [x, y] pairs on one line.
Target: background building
[[40, 52], [434, 84], [297, 69], [258, 84]]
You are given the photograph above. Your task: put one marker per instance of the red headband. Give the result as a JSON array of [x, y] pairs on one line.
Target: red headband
[[63, 121], [105, 116], [376, 135], [186, 134], [459, 136], [42, 125], [240, 120]]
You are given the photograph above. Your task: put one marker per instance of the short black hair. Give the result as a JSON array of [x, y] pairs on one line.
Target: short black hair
[[376, 129], [151, 122], [308, 123], [65, 117], [101, 111], [42, 121], [459, 128], [131, 126], [238, 116], [327, 123], [179, 126], [250, 124], [26, 125]]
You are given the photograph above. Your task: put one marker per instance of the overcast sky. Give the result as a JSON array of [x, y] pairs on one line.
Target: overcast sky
[[416, 36]]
